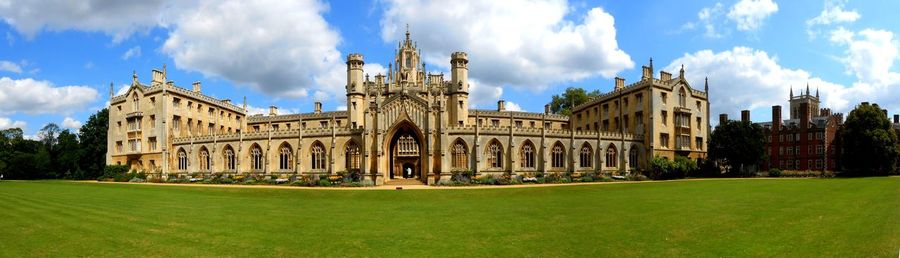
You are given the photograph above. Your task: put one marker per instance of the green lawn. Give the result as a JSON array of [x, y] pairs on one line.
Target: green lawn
[[749, 217]]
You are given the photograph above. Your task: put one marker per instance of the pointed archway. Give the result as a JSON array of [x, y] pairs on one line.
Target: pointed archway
[[406, 152]]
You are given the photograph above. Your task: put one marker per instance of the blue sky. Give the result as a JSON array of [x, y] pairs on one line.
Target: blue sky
[[58, 59]]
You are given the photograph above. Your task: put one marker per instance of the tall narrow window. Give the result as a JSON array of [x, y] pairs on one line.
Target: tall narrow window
[[557, 156], [318, 156], [587, 156], [633, 157], [528, 155], [182, 160], [460, 155], [682, 97], [135, 101], [495, 154], [204, 159], [611, 159], [229, 158], [352, 156], [285, 157], [256, 160]]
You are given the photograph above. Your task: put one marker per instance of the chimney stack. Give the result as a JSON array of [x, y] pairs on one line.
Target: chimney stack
[[665, 76], [197, 86], [776, 117], [547, 109], [648, 71], [273, 110], [620, 83], [723, 118], [745, 116], [318, 107], [157, 78], [501, 105]]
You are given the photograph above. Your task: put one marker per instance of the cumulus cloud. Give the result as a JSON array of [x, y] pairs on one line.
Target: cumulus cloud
[[6, 123], [870, 54], [132, 52], [71, 123], [283, 48], [750, 14], [41, 97], [833, 13], [512, 106], [521, 44], [7, 66], [119, 19], [253, 110], [746, 78]]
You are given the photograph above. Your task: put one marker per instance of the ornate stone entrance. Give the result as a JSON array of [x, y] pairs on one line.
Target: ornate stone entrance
[[406, 153]]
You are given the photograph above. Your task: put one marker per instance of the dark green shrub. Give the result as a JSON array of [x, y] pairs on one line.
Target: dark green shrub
[[774, 172]]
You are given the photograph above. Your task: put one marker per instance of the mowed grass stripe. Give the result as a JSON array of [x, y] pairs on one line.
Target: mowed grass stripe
[[803, 217]]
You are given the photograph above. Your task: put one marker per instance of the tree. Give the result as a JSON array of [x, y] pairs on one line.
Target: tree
[[869, 143], [68, 155], [737, 144], [93, 144], [571, 97]]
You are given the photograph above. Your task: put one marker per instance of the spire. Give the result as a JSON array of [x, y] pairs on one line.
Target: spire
[[407, 32], [706, 85], [134, 77], [681, 73], [807, 89], [651, 63], [792, 91], [110, 89], [817, 91], [245, 103]]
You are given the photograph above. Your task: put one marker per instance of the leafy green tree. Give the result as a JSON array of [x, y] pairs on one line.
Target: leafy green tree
[[869, 143], [93, 144], [68, 155], [737, 145], [571, 97]]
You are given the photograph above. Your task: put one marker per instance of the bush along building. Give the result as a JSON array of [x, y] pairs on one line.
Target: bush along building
[[808, 140]]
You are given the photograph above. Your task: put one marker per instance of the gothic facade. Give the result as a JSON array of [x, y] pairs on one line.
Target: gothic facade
[[403, 124]]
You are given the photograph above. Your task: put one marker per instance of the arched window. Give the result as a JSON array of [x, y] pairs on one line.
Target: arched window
[[495, 154], [204, 159], [557, 156], [182, 160], [256, 160], [586, 159], [285, 157], [229, 158], [682, 97], [633, 157], [352, 156], [611, 159], [135, 102], [318, 156], [527, 155], [460, 155]]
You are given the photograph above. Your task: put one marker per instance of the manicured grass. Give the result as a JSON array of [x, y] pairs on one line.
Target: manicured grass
[[745, 217]]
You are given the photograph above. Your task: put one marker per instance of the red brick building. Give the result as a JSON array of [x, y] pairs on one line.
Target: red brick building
[[809, 140]]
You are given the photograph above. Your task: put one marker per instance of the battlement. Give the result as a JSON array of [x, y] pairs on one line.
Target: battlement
[[459, 56], [355, 57]]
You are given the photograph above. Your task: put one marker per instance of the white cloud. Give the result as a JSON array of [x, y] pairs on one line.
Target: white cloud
[[71, 123], [708, 17], [6, 123], [512, 106], [870, 54], [7, 66], [481, 94], [833, 13], [132, 52], [750, 14], [521, 44], [283, 48], [745, 78], [40, 97], [119, 19], [252, 110]]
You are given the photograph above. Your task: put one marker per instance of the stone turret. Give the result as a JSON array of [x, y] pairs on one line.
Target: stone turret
[[459, 88], [356, 90]]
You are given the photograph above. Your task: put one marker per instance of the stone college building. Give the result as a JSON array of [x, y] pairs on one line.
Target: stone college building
[[406, 124]]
